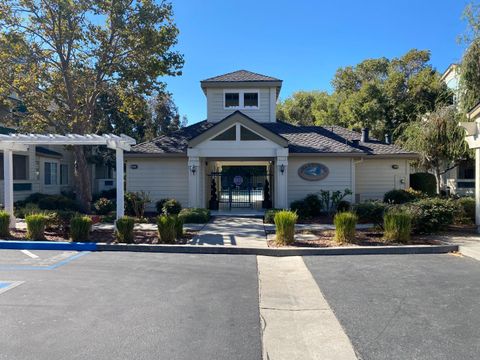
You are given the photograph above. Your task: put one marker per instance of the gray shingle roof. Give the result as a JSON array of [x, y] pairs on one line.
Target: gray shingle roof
[[241, 76], [302, 140]]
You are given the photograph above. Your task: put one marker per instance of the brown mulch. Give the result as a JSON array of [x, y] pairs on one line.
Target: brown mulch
[[325, 238], [104, 236]]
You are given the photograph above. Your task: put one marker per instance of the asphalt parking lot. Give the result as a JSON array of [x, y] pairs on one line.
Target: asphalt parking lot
[[129, 306], [404, 306]]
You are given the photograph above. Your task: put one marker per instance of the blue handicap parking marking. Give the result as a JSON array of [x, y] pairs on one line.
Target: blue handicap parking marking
[[4, 284], [44, 260], [8, 285]]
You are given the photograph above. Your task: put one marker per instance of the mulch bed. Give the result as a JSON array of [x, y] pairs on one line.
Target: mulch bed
[[325, 238], [103, 236]]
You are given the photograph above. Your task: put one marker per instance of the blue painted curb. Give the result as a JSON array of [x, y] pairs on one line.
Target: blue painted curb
[[47, 245]]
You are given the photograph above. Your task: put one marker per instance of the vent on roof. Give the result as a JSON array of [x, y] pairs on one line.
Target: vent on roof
[[355, 142], [365, 133]]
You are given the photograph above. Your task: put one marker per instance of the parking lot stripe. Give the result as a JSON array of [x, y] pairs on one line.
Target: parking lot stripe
[[29, 253], [297, 322], [9, 285]]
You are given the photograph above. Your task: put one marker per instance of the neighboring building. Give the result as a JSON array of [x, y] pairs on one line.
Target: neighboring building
[[461, 179], [241, 156]]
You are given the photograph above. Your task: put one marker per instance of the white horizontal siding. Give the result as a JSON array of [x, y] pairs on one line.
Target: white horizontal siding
[[216, 111], [374, 177], [160, 178], [339, 177]]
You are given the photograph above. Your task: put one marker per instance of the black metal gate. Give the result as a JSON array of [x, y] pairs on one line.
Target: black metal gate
[[238, 189]]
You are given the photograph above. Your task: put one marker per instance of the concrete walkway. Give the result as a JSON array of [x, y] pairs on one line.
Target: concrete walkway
[[297, 322], [232, 231], [468, 244]]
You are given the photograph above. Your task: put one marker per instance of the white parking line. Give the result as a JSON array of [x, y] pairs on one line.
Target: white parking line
[[28, 253], [10, 286], [297, 322]]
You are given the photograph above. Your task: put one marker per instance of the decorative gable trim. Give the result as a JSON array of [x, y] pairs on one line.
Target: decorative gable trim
[[240, 118]]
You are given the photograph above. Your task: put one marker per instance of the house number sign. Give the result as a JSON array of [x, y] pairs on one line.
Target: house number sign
[[313, 171]]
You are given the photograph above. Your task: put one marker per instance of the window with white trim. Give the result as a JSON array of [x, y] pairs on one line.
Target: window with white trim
[[241, 99], [50, 175]]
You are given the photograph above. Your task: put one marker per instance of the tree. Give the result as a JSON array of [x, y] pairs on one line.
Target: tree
[[470, 66], [60, 56], [166, 118], [438, 140]]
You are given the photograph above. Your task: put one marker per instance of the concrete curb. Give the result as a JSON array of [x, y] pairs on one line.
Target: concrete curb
[[192, 249]]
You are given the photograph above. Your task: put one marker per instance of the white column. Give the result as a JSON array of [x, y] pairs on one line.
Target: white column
[[477, 188], [281, 173], [8, 184], [194, 183], [120, 185]]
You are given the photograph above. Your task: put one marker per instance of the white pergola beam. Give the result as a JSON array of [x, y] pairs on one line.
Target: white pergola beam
[[21, 142]]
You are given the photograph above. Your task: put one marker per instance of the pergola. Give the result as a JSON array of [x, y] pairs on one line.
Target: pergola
[[20, 142]]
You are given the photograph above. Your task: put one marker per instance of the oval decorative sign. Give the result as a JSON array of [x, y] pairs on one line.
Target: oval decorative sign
[[313, 171], [238, 180]]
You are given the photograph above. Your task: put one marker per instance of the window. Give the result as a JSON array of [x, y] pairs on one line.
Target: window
[[241, 99], [50, 173], [20, 167], [227, 135], [466, 170], [63, 174], [246, 134], [37, 170], [232, 100], [250, 100]]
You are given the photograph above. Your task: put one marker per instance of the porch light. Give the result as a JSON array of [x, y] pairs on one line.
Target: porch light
[[193, 169], [282, 168]]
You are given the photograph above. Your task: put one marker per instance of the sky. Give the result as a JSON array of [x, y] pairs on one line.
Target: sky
[[304, 42]]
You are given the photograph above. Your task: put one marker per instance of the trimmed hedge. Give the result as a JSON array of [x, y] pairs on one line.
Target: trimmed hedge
[[432, 215], [124, 229], [285, 227], [398, 226], [167, 229], [345, 224], [370, 212], [194, 215], [466, 213], [4, 224], [36, 226], [398, 197], [80, 227]]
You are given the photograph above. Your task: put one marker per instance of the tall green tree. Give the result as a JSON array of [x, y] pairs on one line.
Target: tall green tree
[[60, 56], [438, 140]]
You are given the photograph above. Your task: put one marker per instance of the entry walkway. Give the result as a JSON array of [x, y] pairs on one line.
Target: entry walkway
[[232, 231]]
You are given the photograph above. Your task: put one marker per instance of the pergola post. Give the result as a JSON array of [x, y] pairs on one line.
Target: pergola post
[[120, 186], [477, 189], [8, 184]]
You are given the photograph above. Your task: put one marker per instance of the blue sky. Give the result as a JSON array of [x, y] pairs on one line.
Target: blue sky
[[304, 42]]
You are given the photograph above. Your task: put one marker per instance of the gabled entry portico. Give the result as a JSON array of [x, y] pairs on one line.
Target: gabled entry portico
[[239, 140]]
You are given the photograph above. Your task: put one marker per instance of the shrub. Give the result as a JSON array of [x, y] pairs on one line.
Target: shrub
[[194, 215], [63, 219], [80, 227], [36, 226], [466, 213], [398, 197], [269, 217], [313, 205], [424, 182], [285, 226], [172, 207], [345, 223], [4, 224], [135, 203], [301, 208], [330, 200], [343, 206], [108, 194], [159, 205], [370, 212], [103, 206], [26, 209], [178, 226], [58, 202], [398, 226], [431, 215], [166, 229], [124, 229]]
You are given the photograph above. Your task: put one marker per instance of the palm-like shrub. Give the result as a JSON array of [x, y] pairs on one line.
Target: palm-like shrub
[[4, 224], [285, 226], [178, 226], [167, 229], [345, 223], [80, 227], [36, 226], [124, 229], [398, 226]]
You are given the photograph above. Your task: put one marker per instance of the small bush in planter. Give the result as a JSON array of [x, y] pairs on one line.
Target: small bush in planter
[[398, 226], [4, 224], [178, 226], [313, 205], [343, 205], [269, 216], [466, 213], [345, 223], [432, 215], [124, 229], [103, 206], [300, 208], [285, 226], [172, 207], [36, 226], [370, 212], [166, 229], [80, 227], [159, 205], [194, 215]]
